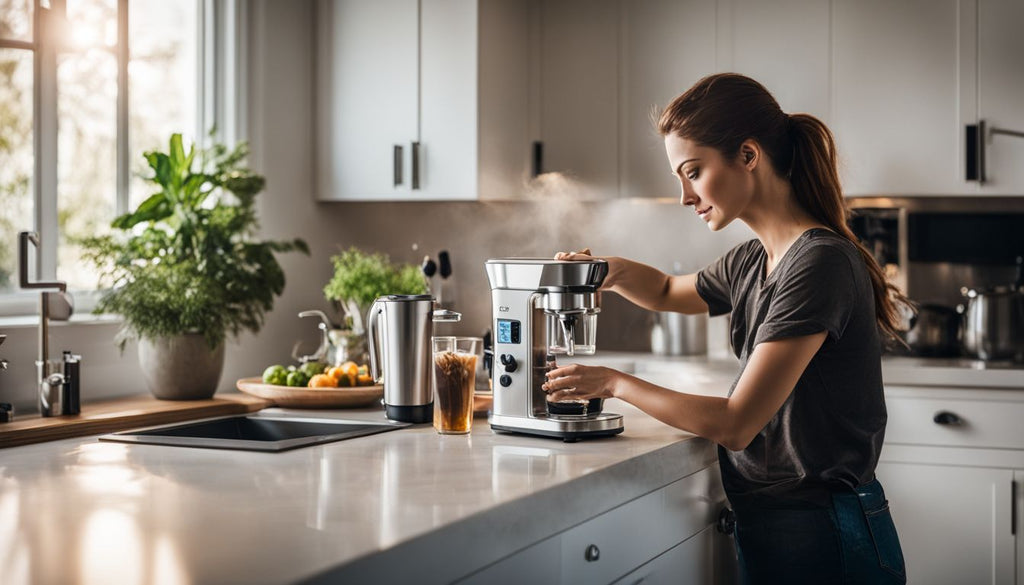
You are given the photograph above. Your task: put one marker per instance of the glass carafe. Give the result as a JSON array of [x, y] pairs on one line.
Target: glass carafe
[[572, 333]]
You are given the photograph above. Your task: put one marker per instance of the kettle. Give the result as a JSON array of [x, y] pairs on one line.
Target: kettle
[[399, 329]]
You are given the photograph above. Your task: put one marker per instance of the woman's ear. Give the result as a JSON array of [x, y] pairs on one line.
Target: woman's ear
[[750, 154]]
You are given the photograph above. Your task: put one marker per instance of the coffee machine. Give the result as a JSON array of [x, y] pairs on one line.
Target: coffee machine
[[543, 308]]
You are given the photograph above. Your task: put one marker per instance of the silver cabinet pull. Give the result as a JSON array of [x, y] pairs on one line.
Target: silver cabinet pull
[[398, 165], [415, 165]]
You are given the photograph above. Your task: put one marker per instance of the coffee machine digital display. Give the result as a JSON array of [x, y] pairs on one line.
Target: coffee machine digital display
[[509, 331], [542, 309]]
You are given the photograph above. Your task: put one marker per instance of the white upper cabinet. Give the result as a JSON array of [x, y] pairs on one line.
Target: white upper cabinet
[[783, 44], [668, 45], [445, 99], [1000, 93], [407, 107], [367, 91], [579, 80], [895, 91]]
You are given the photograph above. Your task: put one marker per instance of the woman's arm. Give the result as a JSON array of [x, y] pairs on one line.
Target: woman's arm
[[647, 286], [767, 381]]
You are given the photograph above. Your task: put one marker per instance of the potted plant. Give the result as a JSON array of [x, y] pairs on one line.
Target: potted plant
[[185, 270], [359, 278]]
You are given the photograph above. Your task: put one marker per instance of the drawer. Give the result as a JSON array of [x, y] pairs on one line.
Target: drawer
[[615, 543], [955, 422]]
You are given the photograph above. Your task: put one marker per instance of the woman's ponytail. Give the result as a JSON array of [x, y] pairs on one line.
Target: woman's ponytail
[[814, 175]]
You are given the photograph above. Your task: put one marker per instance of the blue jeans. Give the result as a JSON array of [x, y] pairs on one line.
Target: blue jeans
[[851, 542]]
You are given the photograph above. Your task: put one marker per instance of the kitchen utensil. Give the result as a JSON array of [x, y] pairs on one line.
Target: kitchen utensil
[[934, 331], [445, 291], [301, 397], [994, 320], [429, 269], [400, 328]]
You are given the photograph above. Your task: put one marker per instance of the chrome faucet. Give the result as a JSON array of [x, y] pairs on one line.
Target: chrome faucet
[[53, 305]]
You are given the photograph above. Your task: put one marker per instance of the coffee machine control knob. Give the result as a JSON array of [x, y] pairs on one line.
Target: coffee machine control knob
[[509, 361], [505, 380]]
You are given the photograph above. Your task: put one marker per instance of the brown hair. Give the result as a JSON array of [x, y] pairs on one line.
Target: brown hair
[[722, 110]]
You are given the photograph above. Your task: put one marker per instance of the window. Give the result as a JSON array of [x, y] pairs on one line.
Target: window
[[87, 86]]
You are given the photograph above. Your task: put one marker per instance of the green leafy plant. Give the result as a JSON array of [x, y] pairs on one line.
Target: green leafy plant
[[186, 261], [360, 277]]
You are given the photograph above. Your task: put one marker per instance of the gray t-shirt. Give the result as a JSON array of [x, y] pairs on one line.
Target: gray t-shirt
[[828, 433]]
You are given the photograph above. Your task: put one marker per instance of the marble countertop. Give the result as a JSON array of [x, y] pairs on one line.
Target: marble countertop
[[84, 511], [896, 370]]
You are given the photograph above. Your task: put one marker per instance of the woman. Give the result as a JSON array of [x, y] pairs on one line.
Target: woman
[[800, 432]]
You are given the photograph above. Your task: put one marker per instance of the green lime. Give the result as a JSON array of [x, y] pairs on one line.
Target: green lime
[[276, 375], [297, 378]]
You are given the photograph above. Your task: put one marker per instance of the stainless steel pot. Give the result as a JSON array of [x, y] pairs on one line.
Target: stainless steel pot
[[994, 323], [934, 331], [994, 320]]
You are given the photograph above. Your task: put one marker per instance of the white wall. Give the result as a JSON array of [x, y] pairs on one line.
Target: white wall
[[281, 136]]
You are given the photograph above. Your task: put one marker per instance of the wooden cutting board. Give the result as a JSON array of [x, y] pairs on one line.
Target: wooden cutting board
[[121, 414]]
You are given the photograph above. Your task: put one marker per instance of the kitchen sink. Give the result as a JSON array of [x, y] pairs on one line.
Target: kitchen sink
[[254, 432]]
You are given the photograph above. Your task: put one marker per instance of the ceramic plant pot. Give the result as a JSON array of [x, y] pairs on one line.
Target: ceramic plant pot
[[181, 367]]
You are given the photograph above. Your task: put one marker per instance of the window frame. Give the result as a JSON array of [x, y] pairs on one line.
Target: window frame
[[221, 71]]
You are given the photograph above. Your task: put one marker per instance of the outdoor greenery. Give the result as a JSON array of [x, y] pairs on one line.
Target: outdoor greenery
[[185, 260], [360, 277]]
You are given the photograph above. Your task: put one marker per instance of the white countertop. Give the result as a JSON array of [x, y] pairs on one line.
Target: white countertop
[[84, 511]]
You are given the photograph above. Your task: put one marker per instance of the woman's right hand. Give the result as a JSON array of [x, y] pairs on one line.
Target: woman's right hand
[[583, 254], [614, 264]]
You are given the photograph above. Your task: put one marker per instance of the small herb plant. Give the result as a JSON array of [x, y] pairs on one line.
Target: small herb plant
[[186, 261], [360, 277]]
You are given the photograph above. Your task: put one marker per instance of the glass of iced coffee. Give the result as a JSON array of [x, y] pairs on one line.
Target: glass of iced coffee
[[454, 379]]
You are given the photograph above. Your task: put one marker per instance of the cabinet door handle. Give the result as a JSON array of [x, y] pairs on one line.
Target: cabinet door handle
[[592, 553], [944, 417], [416, 165], [538, 158], [974, 150], [398, 165], [726, 521]]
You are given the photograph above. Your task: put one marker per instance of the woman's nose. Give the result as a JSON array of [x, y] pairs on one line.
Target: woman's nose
[[687, 197]]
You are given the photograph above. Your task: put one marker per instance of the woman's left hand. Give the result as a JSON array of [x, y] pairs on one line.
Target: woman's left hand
[[576, 382]]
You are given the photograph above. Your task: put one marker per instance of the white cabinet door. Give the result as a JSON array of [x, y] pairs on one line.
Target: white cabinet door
[[1018, 503], [895, 92], [784, 45], [367, 90], [1000, 92], [448, 103], [954, 523], [688, 563], [668, 45], [579, 94], [538, 564]]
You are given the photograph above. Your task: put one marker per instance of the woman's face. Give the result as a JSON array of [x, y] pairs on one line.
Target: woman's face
[[717, 189]]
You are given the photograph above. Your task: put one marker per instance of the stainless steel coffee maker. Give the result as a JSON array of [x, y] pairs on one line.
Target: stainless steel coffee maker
[[399, 331], [543, 308]]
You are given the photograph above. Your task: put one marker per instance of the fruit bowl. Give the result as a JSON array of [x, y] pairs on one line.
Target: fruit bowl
[[304, 397]]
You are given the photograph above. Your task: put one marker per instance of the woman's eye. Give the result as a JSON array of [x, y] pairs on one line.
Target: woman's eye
[[692, 174]]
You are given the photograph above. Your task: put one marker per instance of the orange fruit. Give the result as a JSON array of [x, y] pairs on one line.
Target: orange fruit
[[322, 381], [365, 380]]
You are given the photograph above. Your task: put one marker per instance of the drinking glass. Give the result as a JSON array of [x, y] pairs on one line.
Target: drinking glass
[[455, 361]]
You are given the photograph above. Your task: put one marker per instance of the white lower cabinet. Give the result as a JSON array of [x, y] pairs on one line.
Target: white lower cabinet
[[954, 522], [691, 561], [950, 468], [669, 534]]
